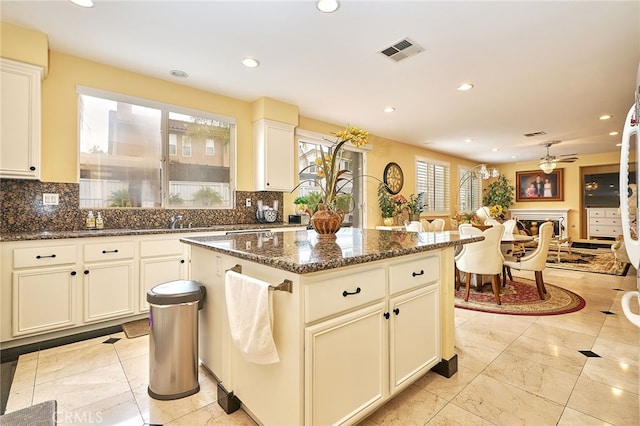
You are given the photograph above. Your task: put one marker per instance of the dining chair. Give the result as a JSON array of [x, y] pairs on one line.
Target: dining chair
[[413, 226], [491, 222], [436, 225], [537, 260], [482, 258]]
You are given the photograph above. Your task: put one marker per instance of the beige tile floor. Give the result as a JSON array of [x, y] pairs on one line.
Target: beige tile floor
[[513, 370]]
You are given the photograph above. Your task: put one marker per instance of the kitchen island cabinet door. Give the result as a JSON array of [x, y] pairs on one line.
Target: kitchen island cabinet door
[[161, 261], [44, 299], [346, 366], [414, 335]]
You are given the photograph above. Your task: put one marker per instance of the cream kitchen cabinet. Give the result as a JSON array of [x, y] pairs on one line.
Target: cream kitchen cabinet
[[20, 100], [603, 222], [273, 150], [108, 283], [161, 261], [44, 288]]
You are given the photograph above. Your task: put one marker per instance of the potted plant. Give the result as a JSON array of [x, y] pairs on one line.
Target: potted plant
[[499, 193], [301, 204], [415, 207], [386, 204]]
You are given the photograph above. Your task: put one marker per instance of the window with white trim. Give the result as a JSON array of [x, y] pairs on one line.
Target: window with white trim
[[129, 154], [210, 148], [433, 179], [469, 190]]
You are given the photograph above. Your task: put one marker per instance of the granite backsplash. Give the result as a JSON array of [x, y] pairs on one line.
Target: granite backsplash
[[22, 210]]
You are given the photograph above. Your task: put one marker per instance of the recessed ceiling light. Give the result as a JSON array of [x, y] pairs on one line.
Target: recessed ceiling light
[[250, 62], [83, 3], [495, 149], [327, 6], [178, 73], [514, 156], [465, 86], [613, 133], [468, 140], [605, 117], [389, 109]]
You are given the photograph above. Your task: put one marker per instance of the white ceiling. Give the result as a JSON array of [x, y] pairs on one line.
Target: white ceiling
[[537, 66]]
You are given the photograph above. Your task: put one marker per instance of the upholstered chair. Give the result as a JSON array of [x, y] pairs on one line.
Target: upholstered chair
[[483, 214], [619, 251], [483, 258], [537, 260], [436, 225]]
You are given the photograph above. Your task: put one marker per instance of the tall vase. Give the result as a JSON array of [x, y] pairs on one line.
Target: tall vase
[[326, 222]]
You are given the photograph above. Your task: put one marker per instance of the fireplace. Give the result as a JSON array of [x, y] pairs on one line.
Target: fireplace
[[559, 217]]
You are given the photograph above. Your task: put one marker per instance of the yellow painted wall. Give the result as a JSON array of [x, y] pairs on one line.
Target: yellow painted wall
[[60, 111], [21, 44], [272, 109], [572, 187]]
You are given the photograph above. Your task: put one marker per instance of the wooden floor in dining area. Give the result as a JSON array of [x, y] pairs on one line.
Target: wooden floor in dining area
[[574, 369]]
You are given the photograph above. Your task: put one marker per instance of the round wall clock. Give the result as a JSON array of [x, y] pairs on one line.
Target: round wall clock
[[393, 178]]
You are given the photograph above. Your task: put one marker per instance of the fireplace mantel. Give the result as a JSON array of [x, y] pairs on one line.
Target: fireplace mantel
[[561, 215]]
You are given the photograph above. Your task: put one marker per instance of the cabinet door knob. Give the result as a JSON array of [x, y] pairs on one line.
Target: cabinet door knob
[[86, 272], [32, 168], [181, 260], [386, 315], [396, 311], [416, 274], [349, 293], [73, 273]]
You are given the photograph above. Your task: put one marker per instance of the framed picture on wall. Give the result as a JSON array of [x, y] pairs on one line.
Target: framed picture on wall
[[535, 185]]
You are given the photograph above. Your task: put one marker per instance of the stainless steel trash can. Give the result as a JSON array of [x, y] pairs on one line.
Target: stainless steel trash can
[[173, 339]]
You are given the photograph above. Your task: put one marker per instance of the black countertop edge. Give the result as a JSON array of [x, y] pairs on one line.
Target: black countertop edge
[[89, 233]]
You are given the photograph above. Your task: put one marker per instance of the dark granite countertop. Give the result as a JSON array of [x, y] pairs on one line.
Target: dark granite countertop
[[87, 233], [302, 252]]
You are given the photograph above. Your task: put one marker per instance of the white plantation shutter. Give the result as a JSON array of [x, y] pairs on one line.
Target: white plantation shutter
[[470, 192], [433, 178]]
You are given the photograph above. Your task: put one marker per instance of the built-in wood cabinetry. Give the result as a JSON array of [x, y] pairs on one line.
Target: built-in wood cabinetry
[[603, 222], [274, 161], [20, 98]]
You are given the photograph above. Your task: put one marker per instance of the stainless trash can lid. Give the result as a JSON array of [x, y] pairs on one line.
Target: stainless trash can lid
[[175, 292]]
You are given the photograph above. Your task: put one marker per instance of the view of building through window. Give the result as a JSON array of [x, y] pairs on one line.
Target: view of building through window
[[128, 159]]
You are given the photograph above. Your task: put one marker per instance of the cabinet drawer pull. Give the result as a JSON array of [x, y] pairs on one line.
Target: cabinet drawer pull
[[109, 251], [416, 274], [396, 311], [44, 257], [86, 272], [347, 293], [386, 315], [73, 273]]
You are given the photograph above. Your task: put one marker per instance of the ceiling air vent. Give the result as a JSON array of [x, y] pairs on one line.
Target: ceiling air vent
[[401, 50], [532, 134]]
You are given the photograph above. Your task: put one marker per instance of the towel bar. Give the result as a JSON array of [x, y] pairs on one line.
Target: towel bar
[[286, 285]]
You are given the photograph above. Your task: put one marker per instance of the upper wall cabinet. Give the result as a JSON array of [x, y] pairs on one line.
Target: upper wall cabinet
[[20, 88], [274, 166]]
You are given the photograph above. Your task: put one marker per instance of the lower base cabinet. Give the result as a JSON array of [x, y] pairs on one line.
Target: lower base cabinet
[[346, 361], [43, 299], [108, 290]]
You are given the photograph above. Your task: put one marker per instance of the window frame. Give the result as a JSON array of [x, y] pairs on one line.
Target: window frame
[[166, 109], [430, 188]]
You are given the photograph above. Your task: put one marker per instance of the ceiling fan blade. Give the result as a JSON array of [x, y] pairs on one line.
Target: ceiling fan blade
[[567, 160]]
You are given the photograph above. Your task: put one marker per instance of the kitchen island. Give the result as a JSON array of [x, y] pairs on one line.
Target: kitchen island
[[364, 316]]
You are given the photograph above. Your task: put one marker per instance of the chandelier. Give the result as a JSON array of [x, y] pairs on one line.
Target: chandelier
[[548, 166]]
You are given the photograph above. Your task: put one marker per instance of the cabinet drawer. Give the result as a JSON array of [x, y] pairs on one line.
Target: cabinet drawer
[[607, 221], [406, 275], [605, 231], [343, 293], [161, 248], [44, 256], [596, 213], [612, 213], [108, 251]]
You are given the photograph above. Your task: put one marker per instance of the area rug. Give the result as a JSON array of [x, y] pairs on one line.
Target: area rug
[[520, 297], [136, 328], [600, 261]]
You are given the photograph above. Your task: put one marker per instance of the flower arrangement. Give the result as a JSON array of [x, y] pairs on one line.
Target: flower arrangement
[[400, 202], [497, 212], [330, 178], [465, 217]]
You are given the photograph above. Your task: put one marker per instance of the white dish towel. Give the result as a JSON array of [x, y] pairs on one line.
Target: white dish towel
[[250, 312]]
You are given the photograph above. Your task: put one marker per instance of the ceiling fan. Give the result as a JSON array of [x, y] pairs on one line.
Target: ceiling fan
[[548, 163]]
